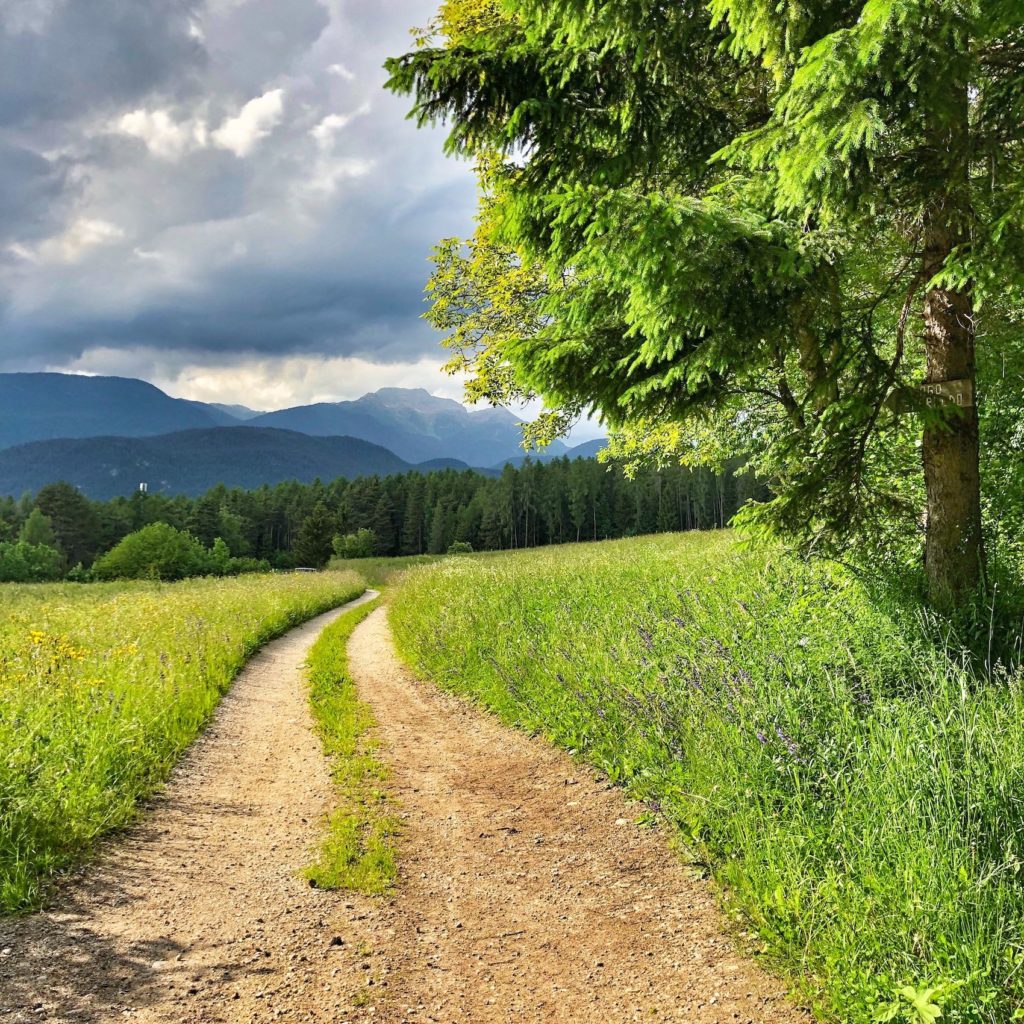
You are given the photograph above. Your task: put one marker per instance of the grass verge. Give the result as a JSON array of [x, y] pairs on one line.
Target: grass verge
[[380, 572], [358, 851], [859, 796], [102, 687]]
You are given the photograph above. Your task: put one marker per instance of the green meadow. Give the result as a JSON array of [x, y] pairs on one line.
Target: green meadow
[[857, 793], [102, 688]]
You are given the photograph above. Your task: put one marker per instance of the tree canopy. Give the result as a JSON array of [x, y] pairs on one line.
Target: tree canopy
[[763, 226]]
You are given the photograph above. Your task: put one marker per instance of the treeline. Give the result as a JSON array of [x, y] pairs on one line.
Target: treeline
[[60, 531]]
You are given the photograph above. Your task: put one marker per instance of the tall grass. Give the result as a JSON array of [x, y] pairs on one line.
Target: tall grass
[[103, 686], [381, 571], [859, 796]]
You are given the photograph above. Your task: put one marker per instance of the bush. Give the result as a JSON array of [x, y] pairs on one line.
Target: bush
[[156, 552], [22, 562], [238, 566], [356, 545], [38, 529], [460, 547], [219, 558]]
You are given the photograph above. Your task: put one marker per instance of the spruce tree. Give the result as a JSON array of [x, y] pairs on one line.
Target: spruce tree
[[781, 220], [74, 521], [314, 543]]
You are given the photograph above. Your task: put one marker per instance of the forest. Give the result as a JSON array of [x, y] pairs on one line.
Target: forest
[[59, 532]]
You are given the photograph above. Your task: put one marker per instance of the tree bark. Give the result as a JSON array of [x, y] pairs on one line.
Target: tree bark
[[950, 450]]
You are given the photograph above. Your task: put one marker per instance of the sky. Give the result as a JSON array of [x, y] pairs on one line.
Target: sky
[[219, 197]]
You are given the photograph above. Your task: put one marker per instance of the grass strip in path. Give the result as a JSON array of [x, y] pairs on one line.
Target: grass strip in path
[[357, 852]]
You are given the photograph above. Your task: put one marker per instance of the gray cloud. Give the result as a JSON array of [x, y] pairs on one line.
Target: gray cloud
[[34, 194], [61, 59], [225, 178]]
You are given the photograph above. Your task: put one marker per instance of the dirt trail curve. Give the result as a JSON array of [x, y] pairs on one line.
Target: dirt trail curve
[[527, 893]]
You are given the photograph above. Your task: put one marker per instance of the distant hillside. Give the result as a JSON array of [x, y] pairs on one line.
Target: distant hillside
[[586, 450], [190, 462], [40, 406], [237, 412], [414, 424]]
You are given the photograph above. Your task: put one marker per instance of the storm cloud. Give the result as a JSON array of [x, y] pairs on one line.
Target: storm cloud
[[210, 185]]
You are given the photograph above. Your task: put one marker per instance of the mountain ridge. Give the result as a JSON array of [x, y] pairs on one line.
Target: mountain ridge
[[107, 435], [414, 424], [190, 462], [48, 406]]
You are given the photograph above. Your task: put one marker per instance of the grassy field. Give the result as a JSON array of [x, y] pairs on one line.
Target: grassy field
[[103, 686], [379, 572], [358, 850], [859, 797]]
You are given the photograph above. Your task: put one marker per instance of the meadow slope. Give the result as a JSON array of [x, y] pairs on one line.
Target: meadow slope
[[858, 795]]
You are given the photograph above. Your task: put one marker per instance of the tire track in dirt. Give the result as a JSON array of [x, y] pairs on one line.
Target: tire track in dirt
[[527, 891]]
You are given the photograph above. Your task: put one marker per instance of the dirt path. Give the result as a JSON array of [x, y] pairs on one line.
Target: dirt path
[[199, 914], [527, 893]]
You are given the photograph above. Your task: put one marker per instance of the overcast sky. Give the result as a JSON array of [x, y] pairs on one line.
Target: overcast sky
[[219, 197]]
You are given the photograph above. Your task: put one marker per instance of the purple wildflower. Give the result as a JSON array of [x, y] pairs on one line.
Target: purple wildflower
[[791, 745]]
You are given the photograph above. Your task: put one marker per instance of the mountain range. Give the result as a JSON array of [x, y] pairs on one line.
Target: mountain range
[[414, 424], [43, 406], [192, 461], [107, 435]]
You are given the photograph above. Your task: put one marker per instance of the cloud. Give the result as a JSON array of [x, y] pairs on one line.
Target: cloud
[[64, 59], [36, 195], [269, 383], [24, 16], [223, 182], [79, 237], [327, 130], [257, 119], [163, 135]]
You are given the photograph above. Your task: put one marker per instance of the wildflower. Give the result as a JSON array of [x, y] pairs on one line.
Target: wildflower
[[791, 745]]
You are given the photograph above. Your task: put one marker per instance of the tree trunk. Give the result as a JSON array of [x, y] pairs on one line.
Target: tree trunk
[[953, 545]]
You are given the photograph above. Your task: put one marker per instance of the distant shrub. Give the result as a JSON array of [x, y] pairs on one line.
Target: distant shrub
[[355, 545], [22, 562], [219, 558], [38, 529], [157, 552], [460, 547], [238, 566]]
